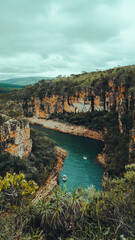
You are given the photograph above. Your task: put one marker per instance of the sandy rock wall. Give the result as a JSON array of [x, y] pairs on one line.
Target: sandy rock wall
[[15, 137], [83, 101]]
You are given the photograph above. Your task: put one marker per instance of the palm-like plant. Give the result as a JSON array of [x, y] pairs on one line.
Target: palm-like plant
[[44, 211], [57, 208]]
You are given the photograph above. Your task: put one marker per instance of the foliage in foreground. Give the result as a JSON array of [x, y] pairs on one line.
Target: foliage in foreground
[[14, 189], [82, 214]]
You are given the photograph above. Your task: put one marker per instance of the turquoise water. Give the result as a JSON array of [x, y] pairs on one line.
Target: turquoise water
[[79, 172]]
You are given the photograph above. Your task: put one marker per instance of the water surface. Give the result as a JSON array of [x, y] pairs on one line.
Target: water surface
[[79, 172]]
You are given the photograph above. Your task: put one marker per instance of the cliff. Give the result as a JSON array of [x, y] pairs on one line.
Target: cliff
[[81, 102], [15, 137], [87, 100], [110, 90]]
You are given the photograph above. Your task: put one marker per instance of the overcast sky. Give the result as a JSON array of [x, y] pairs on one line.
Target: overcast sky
[[52, 37]]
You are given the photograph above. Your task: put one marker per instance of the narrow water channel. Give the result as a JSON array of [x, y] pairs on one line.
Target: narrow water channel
[[79, 172]]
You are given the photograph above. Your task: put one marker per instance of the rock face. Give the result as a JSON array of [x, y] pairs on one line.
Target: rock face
[[68, 128], [15, 137], [82, 101]]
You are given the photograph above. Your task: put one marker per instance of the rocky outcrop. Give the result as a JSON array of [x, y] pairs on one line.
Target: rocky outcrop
[[101, 158], [15, 137], [68, 128], [53, 179]]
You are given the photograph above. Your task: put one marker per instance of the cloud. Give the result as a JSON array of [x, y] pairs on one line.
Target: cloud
[[63, 37]]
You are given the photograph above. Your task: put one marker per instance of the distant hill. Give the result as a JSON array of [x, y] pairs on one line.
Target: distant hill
[[7, 88], [24, 80]]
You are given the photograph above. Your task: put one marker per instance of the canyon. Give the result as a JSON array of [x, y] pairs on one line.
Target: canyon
[[109, 91]]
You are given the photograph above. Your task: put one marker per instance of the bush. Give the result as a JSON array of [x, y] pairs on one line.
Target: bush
[[14, 189]]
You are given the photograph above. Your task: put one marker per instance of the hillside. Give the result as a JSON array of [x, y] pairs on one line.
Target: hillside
[[23, 81], [96, 81], [7, 88]]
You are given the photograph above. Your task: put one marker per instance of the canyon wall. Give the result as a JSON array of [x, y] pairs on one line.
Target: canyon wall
[[83, 101], [15, 137]]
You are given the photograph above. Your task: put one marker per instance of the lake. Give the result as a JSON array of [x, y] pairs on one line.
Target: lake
[[79, 172]]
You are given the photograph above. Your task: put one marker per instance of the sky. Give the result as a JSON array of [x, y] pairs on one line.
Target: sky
[[56, 37]]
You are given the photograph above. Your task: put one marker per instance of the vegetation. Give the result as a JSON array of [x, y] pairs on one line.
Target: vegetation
[[14, 190], [116, 143], [7, 88], [68, 86], [23, 81], [37, 165], [82, 214], [9, 109], [93, 120]]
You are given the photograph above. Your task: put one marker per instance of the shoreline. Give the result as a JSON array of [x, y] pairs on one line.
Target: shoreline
[[52, 181], [67, 128]]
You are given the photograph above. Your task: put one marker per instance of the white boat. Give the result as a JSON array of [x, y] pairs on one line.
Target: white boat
[[64, 178], [84, 157]]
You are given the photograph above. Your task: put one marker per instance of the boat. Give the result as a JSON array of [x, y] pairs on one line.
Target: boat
[[64, 178], [84, 157]]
